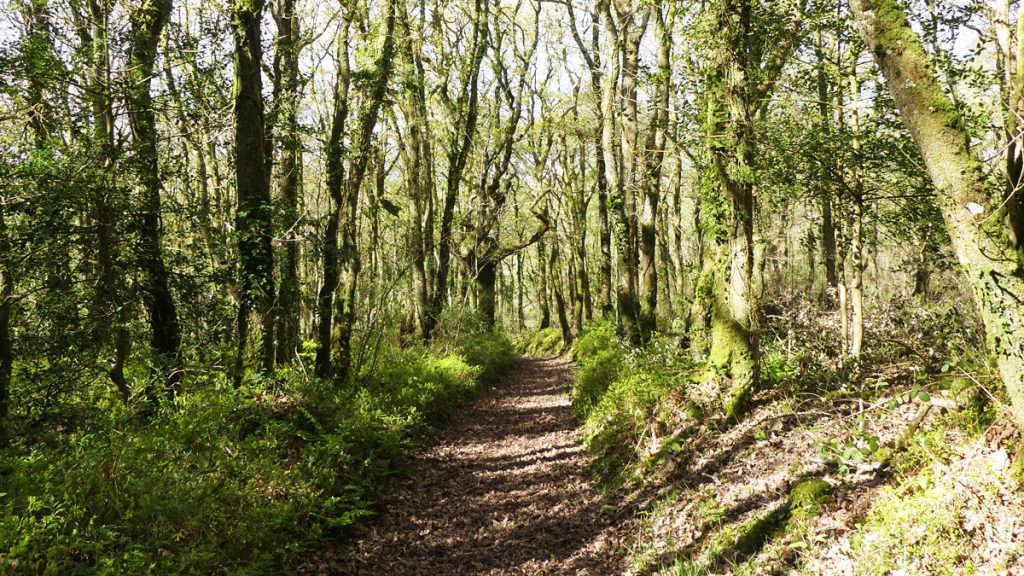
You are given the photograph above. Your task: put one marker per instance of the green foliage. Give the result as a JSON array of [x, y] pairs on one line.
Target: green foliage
[[599, 361], [227, 481], [630, 419], [546, 342], [619, 421], [464, 333], [917, 523]]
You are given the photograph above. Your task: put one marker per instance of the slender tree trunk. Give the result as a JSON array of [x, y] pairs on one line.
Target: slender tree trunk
[[6, 308], [335, 183], [556, 289], [147, 27], [111, 296], [461, 145], [520, 293], [289, 180], [857, 224], [254, 215], [420, 179], [592, 56], [828, 237], [619, 189], [654, 156], [542, 286], [349, 258]]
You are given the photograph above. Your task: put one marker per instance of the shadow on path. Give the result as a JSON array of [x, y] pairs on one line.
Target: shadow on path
[[505, 489]]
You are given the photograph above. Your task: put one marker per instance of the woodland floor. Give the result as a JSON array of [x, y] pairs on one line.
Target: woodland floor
[[503, 489]]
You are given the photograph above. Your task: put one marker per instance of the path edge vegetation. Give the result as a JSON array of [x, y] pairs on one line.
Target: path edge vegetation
[[248, 479]]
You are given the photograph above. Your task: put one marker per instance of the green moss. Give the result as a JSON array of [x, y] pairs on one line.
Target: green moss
[[807, 498], [546, 342], [738, 542]]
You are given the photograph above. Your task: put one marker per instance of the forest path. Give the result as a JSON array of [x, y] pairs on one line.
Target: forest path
[[504, 489]]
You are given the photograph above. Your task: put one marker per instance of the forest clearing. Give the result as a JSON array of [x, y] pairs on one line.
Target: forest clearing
[[526, 287]]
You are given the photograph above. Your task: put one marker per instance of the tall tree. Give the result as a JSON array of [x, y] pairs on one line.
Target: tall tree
[[465, 112], [746, 61], [651, 189], [254, 215], [418, 156], [592, 56], [335, 184], [148, 21], [289, 175], [111, 304], [487, 253], [349, 258], [619, 141]]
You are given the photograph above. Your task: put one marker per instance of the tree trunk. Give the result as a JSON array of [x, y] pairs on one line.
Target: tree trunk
[[349, 259], [335, 182], [461, 145], [486, 282], [857, 224], [147, 26], [6, 307], [556, 289], [828, 236], [986, 252], [111, 290], [542, 286], [419, 181], [733, 353], [618, 189], [289, 180], [254, 216], [653, 158]]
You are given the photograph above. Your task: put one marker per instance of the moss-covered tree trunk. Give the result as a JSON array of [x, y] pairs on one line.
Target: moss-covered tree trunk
[[419, 171], [618, 141], [729, 181], [254, 215], [653, 157], [148, 21], [974, 214], [335, 181], [349, 258], [289, 178]]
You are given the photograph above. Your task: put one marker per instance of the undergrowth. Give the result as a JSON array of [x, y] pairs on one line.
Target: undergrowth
[[544, 342], [230, 481], [625, 403], [644, 416]]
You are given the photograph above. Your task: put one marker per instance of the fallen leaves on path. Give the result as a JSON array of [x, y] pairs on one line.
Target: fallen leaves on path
[[504, 490]]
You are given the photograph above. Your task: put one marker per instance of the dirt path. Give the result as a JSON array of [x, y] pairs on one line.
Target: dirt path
[[504, 490]]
